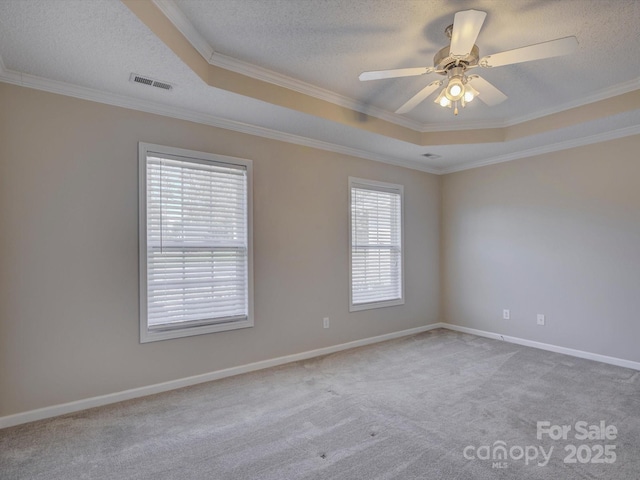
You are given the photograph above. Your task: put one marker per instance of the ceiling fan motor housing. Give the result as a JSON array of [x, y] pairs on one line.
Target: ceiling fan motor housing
[[443, 61]]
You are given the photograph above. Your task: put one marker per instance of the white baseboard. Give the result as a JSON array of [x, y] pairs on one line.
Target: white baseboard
[[545, 346], [63, 409]]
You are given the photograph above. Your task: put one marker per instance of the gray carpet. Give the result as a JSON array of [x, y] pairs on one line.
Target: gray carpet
[[403, 409]]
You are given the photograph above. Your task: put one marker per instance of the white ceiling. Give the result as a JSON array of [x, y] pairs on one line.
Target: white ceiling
[[88, 48]]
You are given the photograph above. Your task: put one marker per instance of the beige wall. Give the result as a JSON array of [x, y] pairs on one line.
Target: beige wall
[[557, 234], [69, 251]]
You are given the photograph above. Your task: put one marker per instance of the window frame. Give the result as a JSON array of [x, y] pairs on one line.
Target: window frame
[[210, 326], [385, 187]]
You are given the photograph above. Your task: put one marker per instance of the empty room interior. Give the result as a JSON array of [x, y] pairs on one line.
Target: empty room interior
[[338, 239]]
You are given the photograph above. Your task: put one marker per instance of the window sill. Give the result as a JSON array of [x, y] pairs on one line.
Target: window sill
[[372, 305], [147, 335]]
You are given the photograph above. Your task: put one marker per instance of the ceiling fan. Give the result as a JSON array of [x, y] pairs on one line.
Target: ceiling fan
[[462, 55]]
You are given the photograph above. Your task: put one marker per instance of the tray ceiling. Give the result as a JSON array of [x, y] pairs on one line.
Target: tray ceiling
[[289, 70]]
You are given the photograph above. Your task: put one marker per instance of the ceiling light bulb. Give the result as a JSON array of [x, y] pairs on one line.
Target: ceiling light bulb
[[469, 92], [455, 89], [442, 100]]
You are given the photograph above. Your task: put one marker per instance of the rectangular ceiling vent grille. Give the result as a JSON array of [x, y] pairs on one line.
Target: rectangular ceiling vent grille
[[135, 78]]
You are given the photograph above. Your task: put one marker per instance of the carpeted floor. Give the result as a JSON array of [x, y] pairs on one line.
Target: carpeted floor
[[431, 406]]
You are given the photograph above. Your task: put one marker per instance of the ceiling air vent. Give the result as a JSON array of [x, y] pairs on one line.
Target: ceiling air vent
[[135, 78], [431, 156]]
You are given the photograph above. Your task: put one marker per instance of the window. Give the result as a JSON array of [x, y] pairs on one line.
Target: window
[[375, 244], [195, 243]]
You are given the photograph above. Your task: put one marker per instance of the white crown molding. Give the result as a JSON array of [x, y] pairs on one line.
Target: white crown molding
[[265, 75], [275, 78], [65, 408], [605, 93], [62, 88], [182, 23], [608, 92], [554, 147], [460, 126]]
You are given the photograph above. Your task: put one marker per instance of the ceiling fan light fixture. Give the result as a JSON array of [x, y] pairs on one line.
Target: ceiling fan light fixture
[[469, 93], [461, 55], [458, 91], [442, 99], [455, 88]]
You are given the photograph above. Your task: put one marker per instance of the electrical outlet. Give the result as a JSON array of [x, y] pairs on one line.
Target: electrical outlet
[[540, 319], [325, 322], [506, 314]]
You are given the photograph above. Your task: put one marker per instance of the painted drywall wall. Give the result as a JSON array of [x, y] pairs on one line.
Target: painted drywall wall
[[557, 234], [69, 251]]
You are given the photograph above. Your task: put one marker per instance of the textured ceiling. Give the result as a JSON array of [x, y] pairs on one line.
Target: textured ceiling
[[96, 44], [329, 43]]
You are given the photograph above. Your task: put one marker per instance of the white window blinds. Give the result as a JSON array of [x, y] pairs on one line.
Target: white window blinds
[[376, 244], [196, 242]]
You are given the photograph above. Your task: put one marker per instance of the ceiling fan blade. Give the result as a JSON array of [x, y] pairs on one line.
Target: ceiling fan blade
[[419, 97], [466, 27], [399, 72], [487, 92], [552, 48]]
